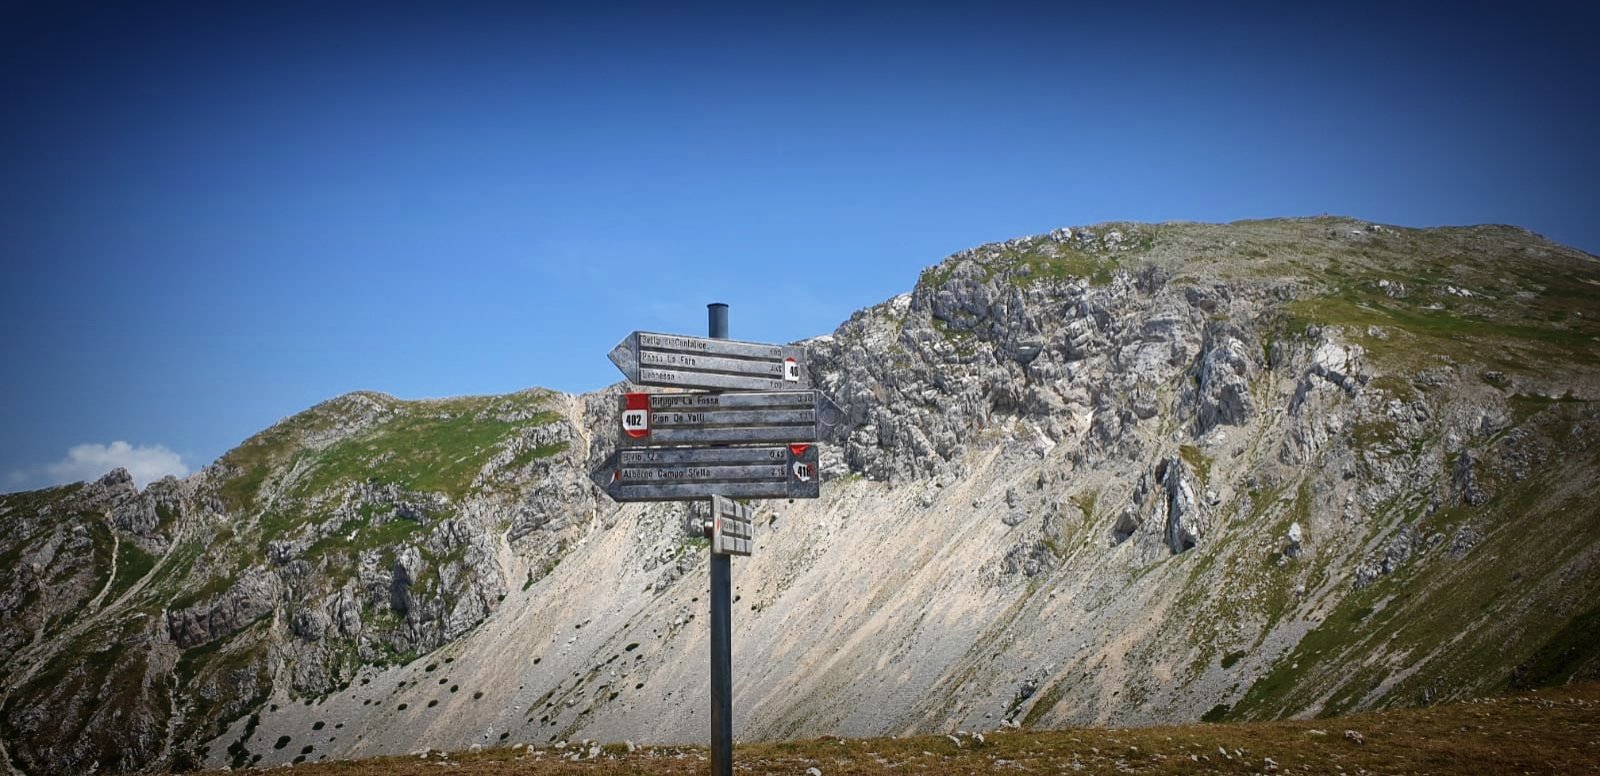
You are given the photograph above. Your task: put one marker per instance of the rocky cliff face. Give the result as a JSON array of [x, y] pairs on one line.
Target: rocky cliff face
[[1124, 473]]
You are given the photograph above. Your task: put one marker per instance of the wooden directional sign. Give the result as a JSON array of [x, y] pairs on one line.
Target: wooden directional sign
[[673, 360], [686, 473], [733, 529], [727, 418]]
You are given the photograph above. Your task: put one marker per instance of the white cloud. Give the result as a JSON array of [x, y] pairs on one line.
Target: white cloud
[[90, 461]]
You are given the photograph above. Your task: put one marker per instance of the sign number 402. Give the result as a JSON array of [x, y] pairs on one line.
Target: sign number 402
[[636, 422]]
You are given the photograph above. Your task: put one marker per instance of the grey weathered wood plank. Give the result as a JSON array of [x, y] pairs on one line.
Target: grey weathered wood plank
[[779, 417], [732, 401], [729, 435], [669, 456], [649, 340], [690, 362]]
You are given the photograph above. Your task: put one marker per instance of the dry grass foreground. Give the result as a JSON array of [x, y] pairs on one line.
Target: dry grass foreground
[[1554, 730]]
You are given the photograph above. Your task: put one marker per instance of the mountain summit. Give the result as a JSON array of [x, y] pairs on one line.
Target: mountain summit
[[1117, 474]]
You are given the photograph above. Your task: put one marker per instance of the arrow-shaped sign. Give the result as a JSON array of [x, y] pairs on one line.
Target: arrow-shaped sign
[[685, 473], [676, 361], [728, 418]]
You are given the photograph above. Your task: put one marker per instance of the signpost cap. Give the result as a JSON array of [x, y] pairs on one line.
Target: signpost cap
[[717, 320]]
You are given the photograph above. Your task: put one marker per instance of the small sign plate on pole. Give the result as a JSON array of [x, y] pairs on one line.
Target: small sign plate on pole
[[732, 526], [677, 361], [728, 418]]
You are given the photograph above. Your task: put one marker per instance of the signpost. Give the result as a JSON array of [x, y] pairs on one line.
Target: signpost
[[758, 440]]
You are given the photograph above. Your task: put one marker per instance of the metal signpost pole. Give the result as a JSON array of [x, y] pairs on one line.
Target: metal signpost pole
[[744, 423], [721, 620]]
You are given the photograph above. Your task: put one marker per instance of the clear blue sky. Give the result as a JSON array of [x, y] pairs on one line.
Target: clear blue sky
[[215, 215]]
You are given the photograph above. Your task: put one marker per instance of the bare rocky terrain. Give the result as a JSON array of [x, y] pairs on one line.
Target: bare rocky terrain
[[1123, 474]]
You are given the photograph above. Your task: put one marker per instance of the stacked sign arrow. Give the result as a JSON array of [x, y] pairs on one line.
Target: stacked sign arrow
[[755, 440], [676, 361], [687, 473], [728, 418]]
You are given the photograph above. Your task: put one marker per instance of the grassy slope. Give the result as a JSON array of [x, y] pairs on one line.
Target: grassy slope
[[1552, 730], [1517, 610], [310, 463], [436, 447]]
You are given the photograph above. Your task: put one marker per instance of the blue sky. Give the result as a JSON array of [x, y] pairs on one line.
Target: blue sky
[[214, 215]]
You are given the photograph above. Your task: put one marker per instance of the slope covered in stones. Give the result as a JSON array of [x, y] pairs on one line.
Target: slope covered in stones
[[1119, 474]]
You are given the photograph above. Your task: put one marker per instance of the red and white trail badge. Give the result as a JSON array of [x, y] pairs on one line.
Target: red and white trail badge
[[636, 416]]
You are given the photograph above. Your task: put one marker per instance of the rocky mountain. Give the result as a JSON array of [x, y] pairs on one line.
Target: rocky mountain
[[1120, 474]]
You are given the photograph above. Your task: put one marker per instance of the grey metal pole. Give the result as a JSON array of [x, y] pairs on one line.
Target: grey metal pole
[[721, 619], [717, 320]]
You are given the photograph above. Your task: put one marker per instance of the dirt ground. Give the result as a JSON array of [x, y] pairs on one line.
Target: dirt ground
[[1549, 731]]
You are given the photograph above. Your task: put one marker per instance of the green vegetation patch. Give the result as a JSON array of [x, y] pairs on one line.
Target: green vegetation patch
[[133, 563], [437, 446], [259, 455], [1573, 653], [364, 532], [215, 585], [174, 574], [536, 453], [1086, 501], [1027, 262], [1217, 713], [1375, 433], [935, 276], [1047, 700], [1525, 407], [1514, 330], [436, 453], [1063, 263], [36, 501], [1348, 622], [1198, 462]]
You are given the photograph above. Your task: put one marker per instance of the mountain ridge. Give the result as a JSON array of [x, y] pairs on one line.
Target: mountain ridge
[[1155, 468]]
